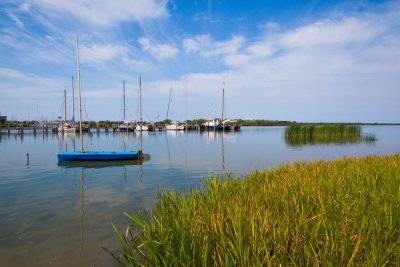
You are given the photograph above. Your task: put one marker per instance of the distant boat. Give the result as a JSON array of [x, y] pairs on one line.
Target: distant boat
[[139, 126], [225, 124], [125, 126], [93, 155], [66, 126], [214, 125], [173, 126]]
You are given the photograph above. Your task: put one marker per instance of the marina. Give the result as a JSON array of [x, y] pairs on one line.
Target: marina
[[46, 220], [199, 133]]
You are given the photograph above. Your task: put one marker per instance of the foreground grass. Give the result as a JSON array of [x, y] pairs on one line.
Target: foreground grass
[[340, 213]]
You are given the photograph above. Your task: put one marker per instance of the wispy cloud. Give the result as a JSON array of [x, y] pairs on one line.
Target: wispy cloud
[[102, 53], [17, 84], [104, 12], [159, 51], [17, 21], [205, 46]]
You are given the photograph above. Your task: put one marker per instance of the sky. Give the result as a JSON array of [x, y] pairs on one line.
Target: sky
[[309, 61]]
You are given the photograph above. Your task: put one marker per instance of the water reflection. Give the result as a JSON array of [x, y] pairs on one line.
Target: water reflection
[[103, 163], [82, 212], [93, 192]]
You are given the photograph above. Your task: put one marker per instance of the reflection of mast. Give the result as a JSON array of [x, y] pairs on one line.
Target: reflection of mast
[[222, 153], [82, 212], [169, 154], [186, 156]]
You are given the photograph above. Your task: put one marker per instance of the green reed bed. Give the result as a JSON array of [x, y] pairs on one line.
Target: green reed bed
[[340, 213], [326, 134]]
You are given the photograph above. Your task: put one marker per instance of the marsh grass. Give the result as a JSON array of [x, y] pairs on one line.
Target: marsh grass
[[326, 134], [340, 213]]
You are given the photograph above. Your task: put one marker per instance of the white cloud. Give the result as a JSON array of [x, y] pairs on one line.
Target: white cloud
[[24, 7], [96, 53], [17, 84], [348, 31], [159, 51], [205, 46], [17, 21], [104, 12]]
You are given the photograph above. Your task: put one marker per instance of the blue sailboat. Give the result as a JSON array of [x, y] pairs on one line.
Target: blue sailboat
[[83, 155]]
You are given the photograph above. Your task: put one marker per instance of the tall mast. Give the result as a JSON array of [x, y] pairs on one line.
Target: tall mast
[[124, 99], [223, 100], [79, 92], [186, 113], [73, 99], [140, 102], [65, 106], [169, 100], [140, 114]]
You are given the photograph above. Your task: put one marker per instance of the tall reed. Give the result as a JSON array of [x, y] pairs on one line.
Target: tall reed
[[340, 213], [326, 134]]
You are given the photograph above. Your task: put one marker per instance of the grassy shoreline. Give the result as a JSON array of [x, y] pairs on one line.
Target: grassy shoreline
[[335, 213], [326, 134]]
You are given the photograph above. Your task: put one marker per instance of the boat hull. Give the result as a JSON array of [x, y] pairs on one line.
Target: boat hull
[[218, 127], [98, 155]]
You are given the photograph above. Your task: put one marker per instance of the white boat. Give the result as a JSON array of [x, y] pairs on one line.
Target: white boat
[[139, 126], [126, 126], [175, 127], [66, 126], [224, 124]]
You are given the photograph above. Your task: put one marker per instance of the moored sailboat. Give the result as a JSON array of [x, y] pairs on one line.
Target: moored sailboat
[[224, 124], [139, 125], [83, 155], [66, 126], [126, 126], [172, 126]]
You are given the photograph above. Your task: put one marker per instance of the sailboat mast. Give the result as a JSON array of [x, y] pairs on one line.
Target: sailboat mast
[[140, 102], [169, 100], [223, 103], [73, 99], [186, 103], [140, 114], [124, 98], [65, 106], [79, 92]]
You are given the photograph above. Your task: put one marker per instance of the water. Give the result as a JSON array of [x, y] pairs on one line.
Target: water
[[62, 215]]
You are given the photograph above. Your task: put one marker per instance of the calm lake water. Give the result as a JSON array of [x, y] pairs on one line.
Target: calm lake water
[[62, 215]]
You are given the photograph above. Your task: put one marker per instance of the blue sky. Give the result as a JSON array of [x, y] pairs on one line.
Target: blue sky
[[331, 61]]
